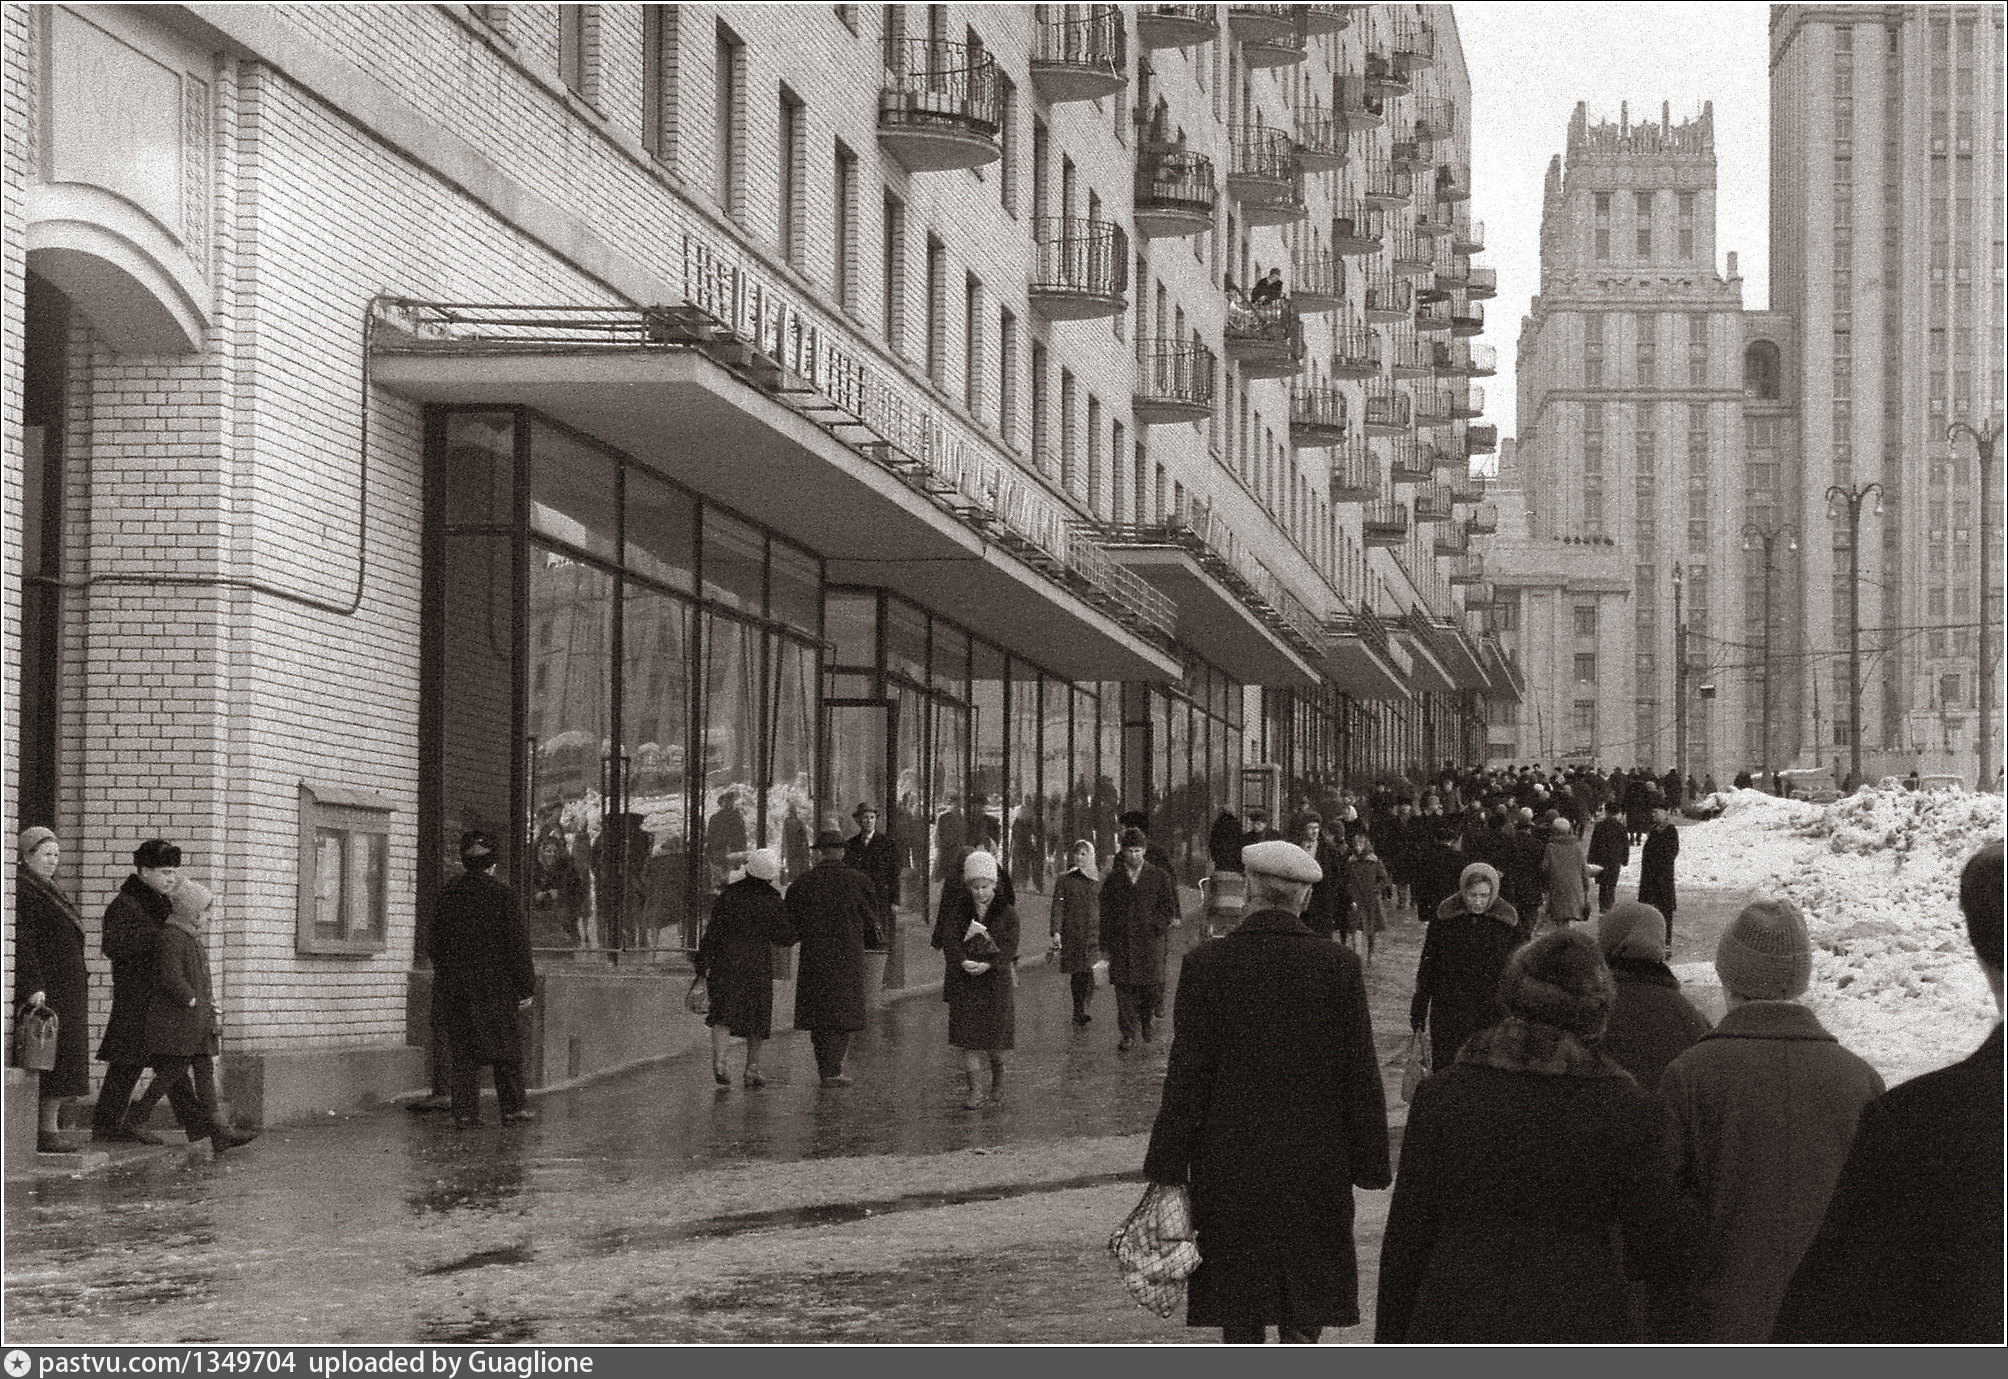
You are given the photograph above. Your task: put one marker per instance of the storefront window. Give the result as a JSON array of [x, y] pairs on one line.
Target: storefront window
[[1056, 700], [908, 822], [735, 563], [732, 681], [661, 532], [1028, 840], [569, 666], [1081, 786], [906, 641], [949, 660], [795, 589], [791, 755], [1109, 766], [574, 493], [657, 643], [987, 801], [850, 621], [479, 461], [1170, 823], [948, 749]]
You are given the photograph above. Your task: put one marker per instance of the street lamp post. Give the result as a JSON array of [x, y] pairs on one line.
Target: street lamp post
[[1854, 498], [1679, 676], [1983, 447], [1768, 536]]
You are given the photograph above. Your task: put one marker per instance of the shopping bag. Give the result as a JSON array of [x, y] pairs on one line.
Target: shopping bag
[[1417, 1068], [697, 1000], [1101, 971], [1154, 1248], [35, 1039]]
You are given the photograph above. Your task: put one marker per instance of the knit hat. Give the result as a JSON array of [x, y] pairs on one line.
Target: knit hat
[[32, 838], [190, 901], [1479, 869], [1630, 929], [979, 866], [1766, 953], [764, 864], [1560, 979]]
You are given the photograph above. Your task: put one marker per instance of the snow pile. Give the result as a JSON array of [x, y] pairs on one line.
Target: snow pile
[[1877, 874]]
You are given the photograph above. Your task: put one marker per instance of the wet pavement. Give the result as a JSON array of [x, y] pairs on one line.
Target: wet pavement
[[653, 1206]]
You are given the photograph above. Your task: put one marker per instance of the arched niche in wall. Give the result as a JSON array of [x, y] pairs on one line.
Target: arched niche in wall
[[1763, 371]]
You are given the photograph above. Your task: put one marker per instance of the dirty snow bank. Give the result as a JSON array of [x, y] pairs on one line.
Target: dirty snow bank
[[1877, 874]]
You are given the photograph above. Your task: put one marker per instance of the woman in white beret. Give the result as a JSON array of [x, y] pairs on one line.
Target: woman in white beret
[[978, 938]]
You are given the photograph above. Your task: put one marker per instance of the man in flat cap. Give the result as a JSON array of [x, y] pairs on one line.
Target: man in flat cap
[[835, 909], [1273, 1113], [481, 970], [1137, 907]]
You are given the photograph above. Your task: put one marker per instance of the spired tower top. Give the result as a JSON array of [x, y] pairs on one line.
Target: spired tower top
[[1690, 139]]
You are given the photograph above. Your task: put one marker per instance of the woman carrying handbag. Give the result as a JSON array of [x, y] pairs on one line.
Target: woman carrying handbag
[[50, 974]]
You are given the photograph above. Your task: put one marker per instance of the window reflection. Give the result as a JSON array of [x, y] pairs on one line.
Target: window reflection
[[574, 493], [735, 563], [569, 611], [661, 531], [731, 745]]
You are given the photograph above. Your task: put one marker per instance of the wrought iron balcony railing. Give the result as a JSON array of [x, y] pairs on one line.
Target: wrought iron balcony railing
[[1176, 26], [1080, 52], [1318, 281], [1433, 318], [1432, 503], [1386, 412], [1270, 35], [1381, 75], [1317, 415], [1451, 539], [1468, 402], [1320, 139], [1388, 299], [1357, 227], [1356, 472], [1175, 195], [1384, 522], [1468, 568], [1264, 177], [1410, 355], [1484, 519], [1467, 236], [1383, 184], [1435, 120], [1361, 622], [1483, 283], [1412, 44], [1432, 406], [1200, 532], [1407, 461], [1432, 219], [1482, 361], [1358, 106], [1453, 183], [1467, 318], [1481, 440], [1081, 270], [941, 106], [1465, 486], [1175, 381], [1265, 339], [1356, 353], [1410, 255]]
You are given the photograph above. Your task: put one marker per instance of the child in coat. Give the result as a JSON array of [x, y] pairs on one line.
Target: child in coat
[[1368, 880]]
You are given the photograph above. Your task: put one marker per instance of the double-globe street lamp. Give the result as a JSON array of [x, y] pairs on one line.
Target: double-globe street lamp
[[1768, 537], [1983, 449], [1853, 498]]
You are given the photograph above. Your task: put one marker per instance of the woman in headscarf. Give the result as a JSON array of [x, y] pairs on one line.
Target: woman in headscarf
[[49, 971], [1074, 925], [1457, 981], [978, 938], [736, 959]]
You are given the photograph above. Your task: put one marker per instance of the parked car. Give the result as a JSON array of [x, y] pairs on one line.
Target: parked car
[[1814, 784], [1956, 784]]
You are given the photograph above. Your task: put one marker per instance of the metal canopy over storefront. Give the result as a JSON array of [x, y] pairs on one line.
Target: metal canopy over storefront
[[1461, 658], [684, 414], [1430, 674], [1362, 660], [1216, 623]]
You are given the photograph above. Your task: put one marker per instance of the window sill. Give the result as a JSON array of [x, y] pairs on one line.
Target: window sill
[[340, 948]]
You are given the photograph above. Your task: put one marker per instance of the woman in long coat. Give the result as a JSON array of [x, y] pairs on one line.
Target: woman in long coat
[[1457, 980], [736, 959], [1073, 926], [1532, 1176], [1366, 879], [1567, 872], [49, 970], [978, 938]]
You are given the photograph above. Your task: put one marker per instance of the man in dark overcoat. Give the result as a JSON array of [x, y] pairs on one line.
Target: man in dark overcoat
[[1909, 1251], [835, 909], [1273, 1113], [1609, 850], [481, 970], [1655, 867], [1138, 906], [875, 854], [131, 934]]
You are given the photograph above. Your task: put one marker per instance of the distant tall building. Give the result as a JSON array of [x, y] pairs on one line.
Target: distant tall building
[[1630, 460], [1886, 248]]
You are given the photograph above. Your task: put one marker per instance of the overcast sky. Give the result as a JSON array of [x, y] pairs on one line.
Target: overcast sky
[[1531, 63]]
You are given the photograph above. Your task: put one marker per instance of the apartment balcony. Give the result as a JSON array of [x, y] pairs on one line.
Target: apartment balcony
[[1432, 503], [1384, 522], [1465, 486], [1406, 153], [941, 106], [1357, 105], [1484, 519], [1453, 183], [1410, 356], [1479, 598], [1444, 359], [1356, 354], [1454, 276], [1409, 255], [1176, 26], [1266, 340], [1082, 269], [1321, 140], [1175, 195], [1264, 178], [1482, 362], [1384, 185], [1450, 539], [1467, 236], [1318, 281], [1467, 319], [1431, 409], [1317, 415], [1447, 462], [1481, 440], [1362, 660], [1327, 19], [1407, 461], [1382, 77], [1080, 52], [1388, 299], [1412, 46], [1356, 473], [1435, 121], [1175, 381], [1386, 412], [1270, 35], [1483, 283], [1466, 570], [1468, 402], [1356, 227], [1432, 220], [1433, 318]]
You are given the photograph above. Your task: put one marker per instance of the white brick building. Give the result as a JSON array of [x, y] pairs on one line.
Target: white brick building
[[635, 427]]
